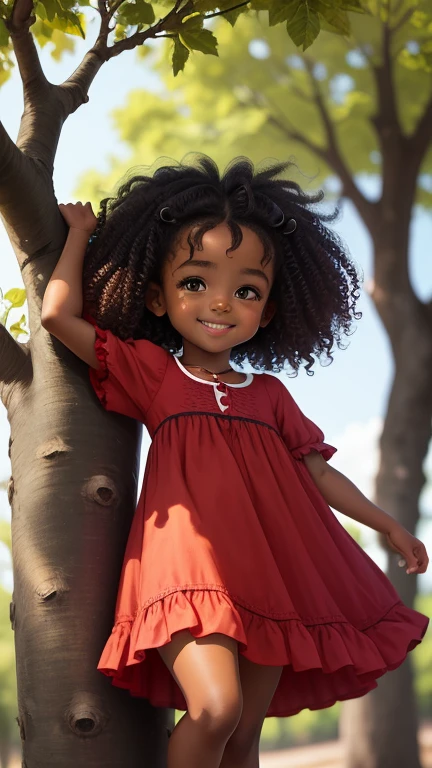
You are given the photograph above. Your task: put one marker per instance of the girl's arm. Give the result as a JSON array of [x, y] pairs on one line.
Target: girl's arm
[[63, 301], [341, 494]]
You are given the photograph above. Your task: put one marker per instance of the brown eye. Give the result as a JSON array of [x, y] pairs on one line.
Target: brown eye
[[193, 284], [248, 293]]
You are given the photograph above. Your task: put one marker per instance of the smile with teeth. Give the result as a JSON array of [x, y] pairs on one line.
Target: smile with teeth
[[216, 326]]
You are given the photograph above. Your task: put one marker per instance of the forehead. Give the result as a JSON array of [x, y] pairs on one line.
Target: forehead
[[215, 248]]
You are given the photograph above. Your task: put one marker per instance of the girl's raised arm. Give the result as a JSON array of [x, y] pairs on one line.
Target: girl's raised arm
[[63, 301]]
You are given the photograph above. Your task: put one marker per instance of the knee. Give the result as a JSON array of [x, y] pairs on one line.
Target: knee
[[218, 717]]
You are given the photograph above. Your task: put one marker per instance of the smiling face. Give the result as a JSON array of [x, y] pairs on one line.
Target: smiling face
[[216, 300]]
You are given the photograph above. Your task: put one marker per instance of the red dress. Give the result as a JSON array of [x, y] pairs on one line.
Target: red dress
[[231, 535]]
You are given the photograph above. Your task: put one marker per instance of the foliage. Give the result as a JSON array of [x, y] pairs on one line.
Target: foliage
[[8, 690], [13, 299], [259, 99], [57, 21]]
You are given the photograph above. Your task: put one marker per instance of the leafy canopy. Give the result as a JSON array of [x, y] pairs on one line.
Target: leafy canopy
[[57, 21], [260, 99]]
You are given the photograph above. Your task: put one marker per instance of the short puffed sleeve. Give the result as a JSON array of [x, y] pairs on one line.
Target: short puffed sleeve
[[130, 373], [299, 433]]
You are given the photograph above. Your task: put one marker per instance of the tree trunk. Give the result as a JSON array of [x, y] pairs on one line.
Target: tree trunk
[[74, 472], [73, 494], [380, 729], [73, 491]]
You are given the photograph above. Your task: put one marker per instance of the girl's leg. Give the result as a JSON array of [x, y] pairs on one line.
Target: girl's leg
[[206, 669], [258, 685]]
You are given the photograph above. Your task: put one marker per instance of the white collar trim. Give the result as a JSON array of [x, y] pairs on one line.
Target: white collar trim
[[245, 383]]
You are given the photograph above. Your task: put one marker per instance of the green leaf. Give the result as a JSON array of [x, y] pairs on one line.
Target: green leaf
[[304, 26], [354, 6], [16, 296], [71, 23], [51, 8], [139, 12], [199, 40], [280, 11], [18, 328], [4, 35], [232, 16], [180, 56], [336, 17]]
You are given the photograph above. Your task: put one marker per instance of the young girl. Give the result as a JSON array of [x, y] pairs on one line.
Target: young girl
[[241, 594]]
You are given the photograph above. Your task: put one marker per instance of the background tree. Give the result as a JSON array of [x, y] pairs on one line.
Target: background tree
[[74, 467], [346, 109]]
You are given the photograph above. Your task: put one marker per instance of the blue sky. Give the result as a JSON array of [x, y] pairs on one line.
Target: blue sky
[[348, 398]]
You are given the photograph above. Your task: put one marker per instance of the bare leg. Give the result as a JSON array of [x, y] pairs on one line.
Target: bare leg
[[258, 685], [206, 669]]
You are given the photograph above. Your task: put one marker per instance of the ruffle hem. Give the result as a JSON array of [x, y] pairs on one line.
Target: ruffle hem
[[325, 660]]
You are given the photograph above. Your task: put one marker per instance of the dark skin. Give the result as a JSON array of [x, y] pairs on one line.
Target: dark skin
[[228, 289], [227, 696]]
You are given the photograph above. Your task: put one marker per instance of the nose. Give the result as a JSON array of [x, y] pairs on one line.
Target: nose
[[220, 304]]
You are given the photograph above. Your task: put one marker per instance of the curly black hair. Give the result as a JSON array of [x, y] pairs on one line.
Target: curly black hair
[[316, 285]]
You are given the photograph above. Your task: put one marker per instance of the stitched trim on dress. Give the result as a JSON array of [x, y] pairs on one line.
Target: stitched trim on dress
[[305, 620], [222, 416], [294, 616]]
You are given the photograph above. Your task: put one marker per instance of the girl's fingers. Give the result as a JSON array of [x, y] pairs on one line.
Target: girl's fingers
[[420, 555], [422, 558]]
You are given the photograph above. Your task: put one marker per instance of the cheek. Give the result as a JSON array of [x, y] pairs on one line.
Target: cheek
[[182, 301], [253, 311]]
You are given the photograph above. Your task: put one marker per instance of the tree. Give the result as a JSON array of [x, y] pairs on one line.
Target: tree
[[74, 467], [348, 107]]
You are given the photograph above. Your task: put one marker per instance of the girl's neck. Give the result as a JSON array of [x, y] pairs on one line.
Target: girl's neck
[[193, 355], [209, 361]]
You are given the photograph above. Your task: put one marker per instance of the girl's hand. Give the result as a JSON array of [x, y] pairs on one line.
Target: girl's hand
[[412, 549], [79, 216]]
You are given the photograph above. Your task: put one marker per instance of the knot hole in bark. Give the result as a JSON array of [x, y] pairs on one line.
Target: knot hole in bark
[[51, 588], [85, 718], [10, 490], [20, 722], [102, 490], [12, 614], [52, 448]]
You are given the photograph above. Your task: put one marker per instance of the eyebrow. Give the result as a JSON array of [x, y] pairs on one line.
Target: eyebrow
[[212, 265]]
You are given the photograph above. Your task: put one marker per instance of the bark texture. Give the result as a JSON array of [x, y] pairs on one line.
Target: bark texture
[[74, 476]]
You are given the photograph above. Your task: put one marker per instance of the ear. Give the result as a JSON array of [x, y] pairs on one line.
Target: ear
[[155, 299], [268, 313]]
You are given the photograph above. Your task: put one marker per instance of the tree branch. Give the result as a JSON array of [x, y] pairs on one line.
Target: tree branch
[[386, 120], [333, 155], [14, 358], [168, 23], [19, 24], [227, 10], [26, 205], [74, 91], [422, 136], [10, 155], [403, 20]]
